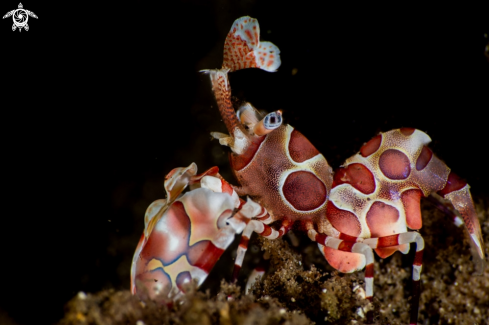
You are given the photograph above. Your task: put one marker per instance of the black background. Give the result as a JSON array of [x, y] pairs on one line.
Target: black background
[[100, 101]]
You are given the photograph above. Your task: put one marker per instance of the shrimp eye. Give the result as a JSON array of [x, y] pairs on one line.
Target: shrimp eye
[[273, 120], [269, 123]]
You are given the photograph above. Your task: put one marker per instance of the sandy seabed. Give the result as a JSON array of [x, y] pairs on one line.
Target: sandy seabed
[[300, 288]]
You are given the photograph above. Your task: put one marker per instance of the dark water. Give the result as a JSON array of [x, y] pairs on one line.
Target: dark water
[[100, 101]]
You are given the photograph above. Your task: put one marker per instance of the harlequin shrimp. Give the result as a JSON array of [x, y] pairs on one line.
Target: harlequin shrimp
[[371, 203]]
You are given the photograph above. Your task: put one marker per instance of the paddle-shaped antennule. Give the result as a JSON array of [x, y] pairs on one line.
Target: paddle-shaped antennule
[[243, 48]]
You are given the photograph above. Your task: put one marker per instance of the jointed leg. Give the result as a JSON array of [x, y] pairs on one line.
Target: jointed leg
[[353, 247], [399, 239], [255, 276], [261, 229]]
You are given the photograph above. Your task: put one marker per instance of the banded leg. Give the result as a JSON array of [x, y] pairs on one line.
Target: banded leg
[[352, 247], [262, 229], [255, 276], [399, 239]]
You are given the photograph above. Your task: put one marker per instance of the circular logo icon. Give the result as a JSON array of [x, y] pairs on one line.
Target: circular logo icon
[[20, 17]]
